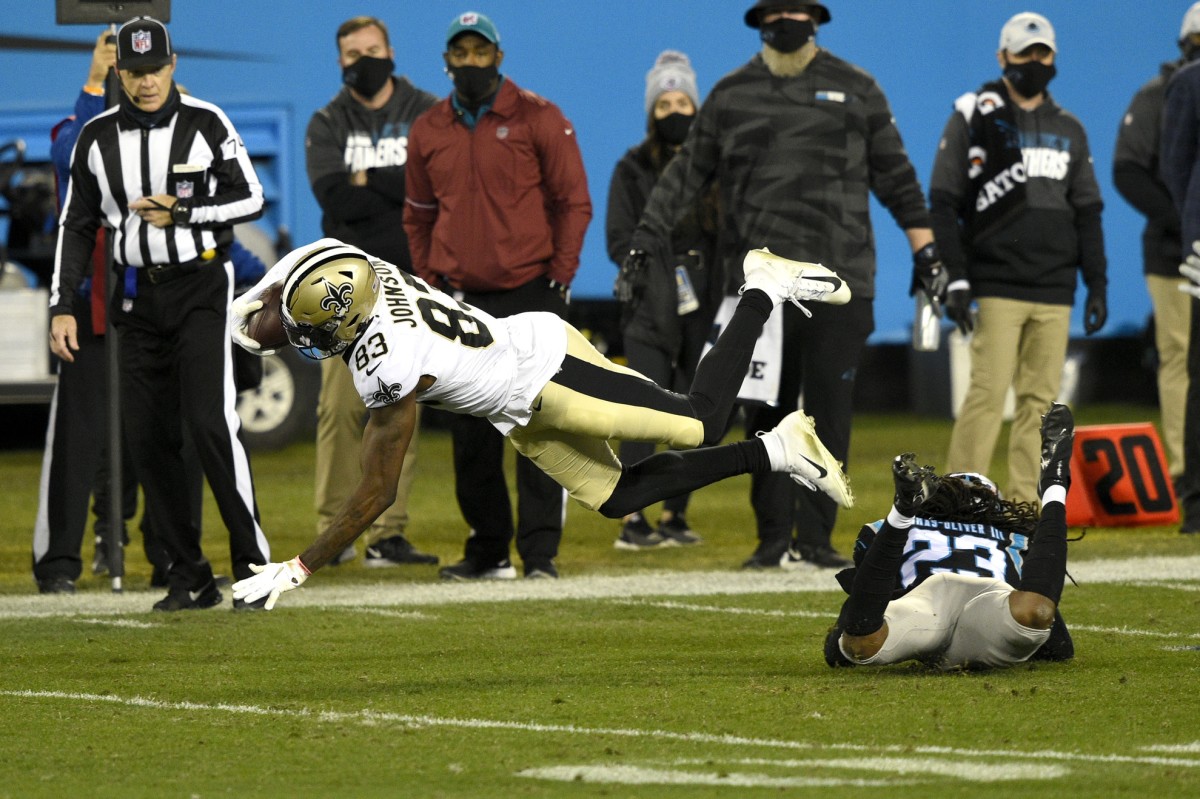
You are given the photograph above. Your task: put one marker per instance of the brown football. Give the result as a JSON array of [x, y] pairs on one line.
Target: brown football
[[266, 325]]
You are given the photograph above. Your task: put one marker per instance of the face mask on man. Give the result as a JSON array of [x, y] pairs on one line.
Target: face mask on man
[[787, 35], [368, 75], [673, 128], [474, 84], [1031, 78]]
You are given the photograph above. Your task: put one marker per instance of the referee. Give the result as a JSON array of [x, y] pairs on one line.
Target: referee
[[169, 176]]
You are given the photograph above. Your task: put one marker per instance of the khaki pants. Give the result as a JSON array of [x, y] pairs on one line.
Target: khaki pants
[[1022, 344], [1172, 318], [341, 416]]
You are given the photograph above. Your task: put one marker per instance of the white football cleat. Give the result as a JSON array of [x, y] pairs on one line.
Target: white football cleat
[[784, 279], [806, 460]]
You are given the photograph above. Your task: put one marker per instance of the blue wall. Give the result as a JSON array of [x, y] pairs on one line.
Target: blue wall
[[590, 58]]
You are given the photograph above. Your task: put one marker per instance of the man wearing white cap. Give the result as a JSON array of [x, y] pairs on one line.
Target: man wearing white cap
[[1016, 211]]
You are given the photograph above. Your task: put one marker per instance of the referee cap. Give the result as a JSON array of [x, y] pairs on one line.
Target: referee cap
[[143, 42]]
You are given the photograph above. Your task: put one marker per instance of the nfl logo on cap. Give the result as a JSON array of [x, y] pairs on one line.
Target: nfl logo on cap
[[141, 41]]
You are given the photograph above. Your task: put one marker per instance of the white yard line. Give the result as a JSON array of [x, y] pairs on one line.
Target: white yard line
[[375, 718], [647, 584]]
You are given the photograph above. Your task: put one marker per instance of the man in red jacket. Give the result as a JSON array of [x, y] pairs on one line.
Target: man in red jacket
[[495, 211]]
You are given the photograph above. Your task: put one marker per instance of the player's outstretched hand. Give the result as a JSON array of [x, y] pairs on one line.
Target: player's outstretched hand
[[270, 581]]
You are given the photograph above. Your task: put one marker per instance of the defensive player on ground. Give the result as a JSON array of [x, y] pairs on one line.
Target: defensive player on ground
[[538, 380], [947, 578]]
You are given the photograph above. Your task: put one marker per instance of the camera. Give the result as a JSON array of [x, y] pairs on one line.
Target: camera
[[91, 12]]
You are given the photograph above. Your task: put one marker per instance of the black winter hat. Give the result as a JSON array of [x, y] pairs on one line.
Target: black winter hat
[[820, 12]]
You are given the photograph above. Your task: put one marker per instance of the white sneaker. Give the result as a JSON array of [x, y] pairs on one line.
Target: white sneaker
[[783, 279], [806, 460]]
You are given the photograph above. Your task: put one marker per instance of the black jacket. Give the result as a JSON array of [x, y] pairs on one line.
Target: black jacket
[[796, 160], [1033, 257], [655, 320], [1135, 174], [345, 137]]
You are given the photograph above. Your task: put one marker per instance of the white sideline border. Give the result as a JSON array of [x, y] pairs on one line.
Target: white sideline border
[[1146, 570]]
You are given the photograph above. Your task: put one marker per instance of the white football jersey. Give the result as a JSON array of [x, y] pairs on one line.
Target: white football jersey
[[483, 366]]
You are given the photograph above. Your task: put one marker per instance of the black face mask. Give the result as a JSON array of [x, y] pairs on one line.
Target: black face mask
[[673, 128], [474, 84], [787, 35], [1189, 49], [1031, 78], [368, 75]]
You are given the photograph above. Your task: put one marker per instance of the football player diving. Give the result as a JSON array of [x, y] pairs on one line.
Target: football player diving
[[956, 576], [537, 379]]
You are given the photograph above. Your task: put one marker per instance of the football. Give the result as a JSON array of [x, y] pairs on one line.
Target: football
[[266, 325]]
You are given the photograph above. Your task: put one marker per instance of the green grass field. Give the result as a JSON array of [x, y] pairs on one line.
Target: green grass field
[[666, 673]]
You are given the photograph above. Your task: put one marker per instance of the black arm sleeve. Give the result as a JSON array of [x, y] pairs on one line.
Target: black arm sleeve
[[1142, 189], [388, 182], [1091, 248]]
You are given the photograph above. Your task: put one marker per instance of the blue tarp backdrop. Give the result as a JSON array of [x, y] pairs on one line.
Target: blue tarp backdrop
[[591, 59]]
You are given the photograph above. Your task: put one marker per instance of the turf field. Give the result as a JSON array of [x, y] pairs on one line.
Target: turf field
[[666, 673]]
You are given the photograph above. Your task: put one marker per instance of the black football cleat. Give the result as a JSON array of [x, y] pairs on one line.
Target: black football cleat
[[914, 484], [1058, 439]]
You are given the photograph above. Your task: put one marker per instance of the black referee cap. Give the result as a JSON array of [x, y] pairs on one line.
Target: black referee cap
[[143, 42]]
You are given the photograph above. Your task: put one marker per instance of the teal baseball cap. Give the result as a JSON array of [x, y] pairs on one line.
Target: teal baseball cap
[[473, 22]]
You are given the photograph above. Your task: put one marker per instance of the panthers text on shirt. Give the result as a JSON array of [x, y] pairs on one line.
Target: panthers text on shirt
[[365, 152]]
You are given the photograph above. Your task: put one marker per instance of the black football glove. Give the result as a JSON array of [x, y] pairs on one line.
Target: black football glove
[[958, 308], [631, 279], [930, 276], [1095, 311]]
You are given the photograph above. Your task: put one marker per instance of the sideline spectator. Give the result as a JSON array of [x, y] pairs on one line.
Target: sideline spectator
[[666, 315], [497, 209], [356, 148], [1135, 174], [799, 139], [1016, 210]]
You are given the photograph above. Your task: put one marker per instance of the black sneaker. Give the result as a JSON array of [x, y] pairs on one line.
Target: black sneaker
[[637, 534], [825, 557], [1058, 438], [469, 570], [242, 605], [100, 557], [914, 484], [768, 556], [675, 532], [541, 571], [395, 551], [56, 585], [182, 599]]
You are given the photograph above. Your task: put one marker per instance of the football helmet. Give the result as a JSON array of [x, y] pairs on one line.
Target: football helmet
[[327, 298], [977, 479]]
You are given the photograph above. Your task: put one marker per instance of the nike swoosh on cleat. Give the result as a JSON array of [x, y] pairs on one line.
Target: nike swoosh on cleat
[[823, 472], [834, 282]]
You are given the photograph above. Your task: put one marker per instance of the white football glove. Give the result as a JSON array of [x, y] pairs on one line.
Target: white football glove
[[242, 308], [1190, 268], [270, 581]]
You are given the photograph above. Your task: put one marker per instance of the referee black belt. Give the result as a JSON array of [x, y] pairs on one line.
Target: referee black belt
[[165, 273]]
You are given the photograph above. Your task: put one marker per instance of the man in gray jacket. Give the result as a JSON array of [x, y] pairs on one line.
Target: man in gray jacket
[[356, 148], [798, 139], [1016, 210]]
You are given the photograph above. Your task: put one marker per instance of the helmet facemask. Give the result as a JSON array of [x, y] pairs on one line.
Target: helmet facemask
[[328, 297]]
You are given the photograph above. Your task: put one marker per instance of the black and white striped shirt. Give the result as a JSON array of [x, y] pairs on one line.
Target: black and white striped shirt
[[117, 160]]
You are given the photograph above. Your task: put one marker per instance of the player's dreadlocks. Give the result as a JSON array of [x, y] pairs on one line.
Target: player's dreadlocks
[[957, 500]]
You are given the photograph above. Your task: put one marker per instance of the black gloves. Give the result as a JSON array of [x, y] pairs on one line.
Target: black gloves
[[930, 276], [1095, 311], [631, 279], [958, 308]]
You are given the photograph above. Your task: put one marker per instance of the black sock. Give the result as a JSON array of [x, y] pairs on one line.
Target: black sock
[[1046, 561], [720, 372], [874, 582], [673, 472]]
